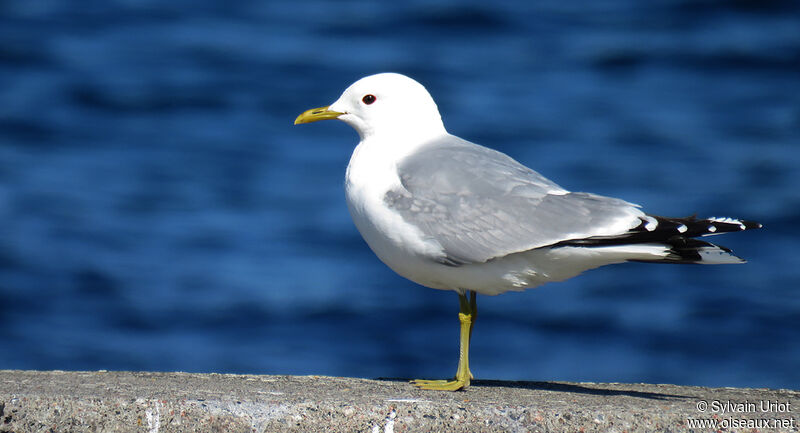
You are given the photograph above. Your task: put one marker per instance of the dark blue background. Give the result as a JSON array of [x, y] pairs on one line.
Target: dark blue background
[[158, 210]]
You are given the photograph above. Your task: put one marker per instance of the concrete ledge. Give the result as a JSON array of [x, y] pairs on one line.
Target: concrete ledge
[[55, 401]]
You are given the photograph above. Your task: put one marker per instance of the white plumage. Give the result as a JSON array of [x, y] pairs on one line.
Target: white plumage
[[453, 215]]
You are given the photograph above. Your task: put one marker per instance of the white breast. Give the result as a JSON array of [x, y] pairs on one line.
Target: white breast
[[401, 246]]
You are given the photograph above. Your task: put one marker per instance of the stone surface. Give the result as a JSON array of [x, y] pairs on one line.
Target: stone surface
[[56, 401]]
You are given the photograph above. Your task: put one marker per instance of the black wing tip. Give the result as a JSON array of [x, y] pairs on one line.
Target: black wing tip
[[723, 225], [692, 226], [749, 225], [656, 229]]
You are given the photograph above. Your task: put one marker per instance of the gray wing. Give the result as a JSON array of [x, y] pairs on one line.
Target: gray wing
[[480, 204]]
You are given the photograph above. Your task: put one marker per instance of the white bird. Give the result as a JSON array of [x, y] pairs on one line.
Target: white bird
[[452, 215]]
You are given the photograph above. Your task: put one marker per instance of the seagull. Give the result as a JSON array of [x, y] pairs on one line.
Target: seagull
[[449, 214]]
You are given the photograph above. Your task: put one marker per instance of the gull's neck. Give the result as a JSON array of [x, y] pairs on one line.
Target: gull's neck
[[393, 147], [373, 165]]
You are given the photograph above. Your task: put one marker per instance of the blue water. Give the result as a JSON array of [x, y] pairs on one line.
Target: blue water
[[158, 210]]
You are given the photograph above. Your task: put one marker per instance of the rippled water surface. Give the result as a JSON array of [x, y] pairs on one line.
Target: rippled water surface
[[158, 210]]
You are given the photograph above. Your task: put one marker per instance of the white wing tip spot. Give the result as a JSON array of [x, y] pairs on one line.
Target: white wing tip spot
[[682, 228], [726, 220], [651, 224]]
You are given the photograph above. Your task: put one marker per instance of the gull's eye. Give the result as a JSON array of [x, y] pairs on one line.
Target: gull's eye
[[368, 99]]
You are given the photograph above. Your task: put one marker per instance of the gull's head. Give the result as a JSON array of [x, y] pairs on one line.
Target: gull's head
[[385, 104]]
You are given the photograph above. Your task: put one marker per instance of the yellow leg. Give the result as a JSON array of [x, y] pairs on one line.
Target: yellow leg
[[473, 302], [467, 314]]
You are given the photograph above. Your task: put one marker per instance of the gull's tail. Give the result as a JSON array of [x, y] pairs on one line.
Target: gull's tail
[[672, 240]]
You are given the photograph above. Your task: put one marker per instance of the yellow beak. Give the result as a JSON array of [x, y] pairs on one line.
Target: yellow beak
[[314, 114]]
